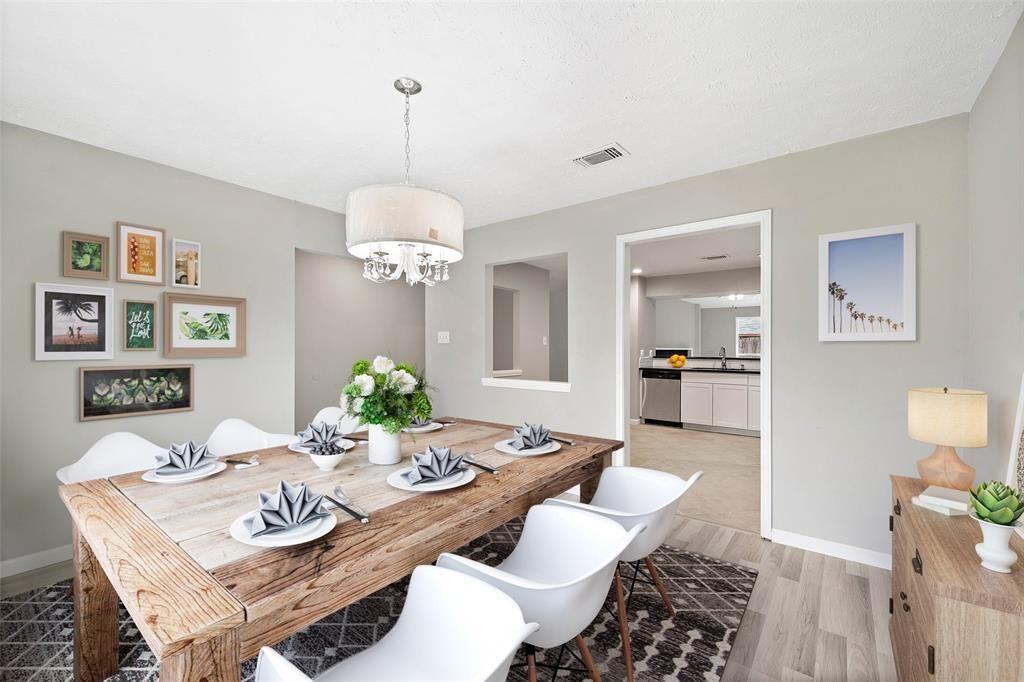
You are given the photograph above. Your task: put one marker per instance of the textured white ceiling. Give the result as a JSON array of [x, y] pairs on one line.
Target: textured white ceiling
[[682, 255], [296, 99]]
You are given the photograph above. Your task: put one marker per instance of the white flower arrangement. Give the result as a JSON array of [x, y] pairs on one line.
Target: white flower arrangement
[[383, 393]]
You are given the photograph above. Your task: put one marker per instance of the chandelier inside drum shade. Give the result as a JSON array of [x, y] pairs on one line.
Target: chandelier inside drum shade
[[402, 229]]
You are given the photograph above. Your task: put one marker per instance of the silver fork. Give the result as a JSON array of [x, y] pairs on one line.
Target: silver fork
[[339, 492]]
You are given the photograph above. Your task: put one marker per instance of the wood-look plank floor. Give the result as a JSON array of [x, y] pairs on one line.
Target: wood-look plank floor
[[810, 617]]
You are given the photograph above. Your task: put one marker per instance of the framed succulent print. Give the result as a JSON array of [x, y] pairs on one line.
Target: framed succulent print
[[85, 255], [73, 323], [109, 392], [198, 326], [185, 257], [140, 254], [139, 325]]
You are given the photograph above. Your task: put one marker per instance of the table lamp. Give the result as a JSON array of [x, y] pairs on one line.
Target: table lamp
[[947, 418]]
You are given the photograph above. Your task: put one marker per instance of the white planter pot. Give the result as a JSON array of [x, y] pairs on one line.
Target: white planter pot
[[385, 448], [994, 549]]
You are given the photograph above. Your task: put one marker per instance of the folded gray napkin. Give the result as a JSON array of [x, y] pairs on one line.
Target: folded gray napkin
[[289, 506], [321, 439], [530, 436], [436, 463], [418, 423], [183, 458]]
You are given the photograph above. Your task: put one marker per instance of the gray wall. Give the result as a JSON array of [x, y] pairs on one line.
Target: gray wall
[[823, 392], [327, 345], [718, 328], [534, 287], [558, 329], [249, 239], [677, 323], [995, 351], [716, 283], [504, 328]]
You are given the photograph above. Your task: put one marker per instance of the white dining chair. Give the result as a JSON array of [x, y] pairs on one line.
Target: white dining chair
[[332, 414], [116, 453], [559, 574], [631, 496], [452, 627], [233, 436]]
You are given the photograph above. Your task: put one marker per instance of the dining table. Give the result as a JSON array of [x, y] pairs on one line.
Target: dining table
[[205, 602]]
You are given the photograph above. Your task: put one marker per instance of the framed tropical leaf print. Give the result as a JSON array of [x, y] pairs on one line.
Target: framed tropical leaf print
[[203, 326], [74, 323], [85, 255], [108, 392]]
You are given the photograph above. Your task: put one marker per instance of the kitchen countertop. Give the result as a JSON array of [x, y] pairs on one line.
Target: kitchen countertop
[[707, 369]]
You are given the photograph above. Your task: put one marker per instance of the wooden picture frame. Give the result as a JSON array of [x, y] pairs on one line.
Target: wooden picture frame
[[187, 267], [132, 327], [200, 326], [73, 322], [79, 261], [134, 391], [875, 272], [140, 254], [1015, 468]]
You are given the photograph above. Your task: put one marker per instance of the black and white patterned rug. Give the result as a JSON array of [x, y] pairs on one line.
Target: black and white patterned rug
[[36, 628]]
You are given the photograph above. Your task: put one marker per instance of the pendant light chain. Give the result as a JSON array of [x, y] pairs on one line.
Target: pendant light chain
[[408, 149]]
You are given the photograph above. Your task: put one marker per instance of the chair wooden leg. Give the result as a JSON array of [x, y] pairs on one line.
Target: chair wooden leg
[[531, 663], [627, 649], [587, 658], [658, 584]]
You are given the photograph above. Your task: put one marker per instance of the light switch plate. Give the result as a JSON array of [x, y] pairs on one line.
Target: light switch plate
[[444, 337]]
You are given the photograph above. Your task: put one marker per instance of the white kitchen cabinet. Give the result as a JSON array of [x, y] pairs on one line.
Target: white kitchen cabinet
[[696, 400], [730, 406], [754, 408]]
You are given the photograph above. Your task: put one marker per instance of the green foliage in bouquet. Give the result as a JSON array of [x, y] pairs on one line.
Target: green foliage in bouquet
[[997, 502], [386, 394]]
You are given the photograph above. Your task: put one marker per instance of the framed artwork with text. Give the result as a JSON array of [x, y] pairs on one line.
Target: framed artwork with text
[[140, 254]]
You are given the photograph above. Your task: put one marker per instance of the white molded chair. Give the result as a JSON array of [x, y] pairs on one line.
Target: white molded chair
[[233, 436], [559, 574], [116, 453], [452, 627], [334, 415], [631, 496]]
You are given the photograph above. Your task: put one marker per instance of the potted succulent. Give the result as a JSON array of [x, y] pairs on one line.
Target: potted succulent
[[386, 397], [997, 508]]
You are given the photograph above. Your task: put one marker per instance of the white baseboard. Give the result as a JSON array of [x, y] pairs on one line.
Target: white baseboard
[[30, 562], [836, 549]]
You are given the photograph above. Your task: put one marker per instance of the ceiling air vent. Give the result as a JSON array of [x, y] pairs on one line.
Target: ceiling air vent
[[720, 256], [609, 153]]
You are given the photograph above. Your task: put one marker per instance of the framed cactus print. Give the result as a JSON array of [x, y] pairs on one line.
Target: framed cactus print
[[85, 255], [139, 325], [110, 392], [74, 323], [140, 254], [198, 326]]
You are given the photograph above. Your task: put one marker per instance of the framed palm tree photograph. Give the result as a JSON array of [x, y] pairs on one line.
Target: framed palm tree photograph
[[74, 323], [198, 326]]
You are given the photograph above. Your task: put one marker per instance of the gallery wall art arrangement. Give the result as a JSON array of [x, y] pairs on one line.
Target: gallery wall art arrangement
[[79, 322]]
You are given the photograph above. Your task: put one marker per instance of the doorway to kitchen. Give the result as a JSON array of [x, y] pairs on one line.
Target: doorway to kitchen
[[693, 335]]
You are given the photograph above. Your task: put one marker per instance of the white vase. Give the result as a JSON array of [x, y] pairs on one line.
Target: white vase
[[994, 549], [385, 448]]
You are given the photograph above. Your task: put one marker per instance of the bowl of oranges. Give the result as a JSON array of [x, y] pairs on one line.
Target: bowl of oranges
[[677, 361]]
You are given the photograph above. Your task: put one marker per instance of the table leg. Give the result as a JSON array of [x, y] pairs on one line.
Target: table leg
[[95, 615], [589, 486], [215, 660]]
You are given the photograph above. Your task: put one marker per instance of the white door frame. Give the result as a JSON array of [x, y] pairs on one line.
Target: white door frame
[[625, 363]]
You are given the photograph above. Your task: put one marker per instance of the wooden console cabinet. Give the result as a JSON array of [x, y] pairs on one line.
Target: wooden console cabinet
[[951, 618]]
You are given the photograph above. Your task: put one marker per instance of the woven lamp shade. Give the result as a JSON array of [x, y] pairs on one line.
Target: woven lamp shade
[[957, 417]]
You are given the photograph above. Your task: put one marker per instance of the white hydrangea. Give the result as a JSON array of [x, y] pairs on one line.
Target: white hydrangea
[[405, 382], [365, 384], [382, 365], [357, 405]]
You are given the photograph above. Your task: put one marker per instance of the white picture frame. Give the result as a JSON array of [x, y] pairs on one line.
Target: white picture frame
[[174, 269], [883, 269], [142, 247], [53, 342]]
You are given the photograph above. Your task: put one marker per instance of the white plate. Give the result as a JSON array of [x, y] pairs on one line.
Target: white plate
[[432, 426], [200, 473], [506, 447], [396, 480], [296, 536], [344, 443]]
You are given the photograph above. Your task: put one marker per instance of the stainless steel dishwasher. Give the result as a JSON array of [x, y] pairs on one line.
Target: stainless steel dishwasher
[[659, 395]]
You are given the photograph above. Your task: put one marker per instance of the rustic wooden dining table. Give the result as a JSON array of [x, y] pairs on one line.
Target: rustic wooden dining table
[[205, 602]]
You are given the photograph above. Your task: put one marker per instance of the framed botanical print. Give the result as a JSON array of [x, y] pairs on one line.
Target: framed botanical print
[[198, 326], [185, 261], [140, 254], [139, 325], [108, 392], [73, 323], [867, 285], [85, 255]]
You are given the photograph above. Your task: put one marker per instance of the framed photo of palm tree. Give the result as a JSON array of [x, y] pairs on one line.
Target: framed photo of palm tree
[[867, 284], [198, 326], [74, 323]]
